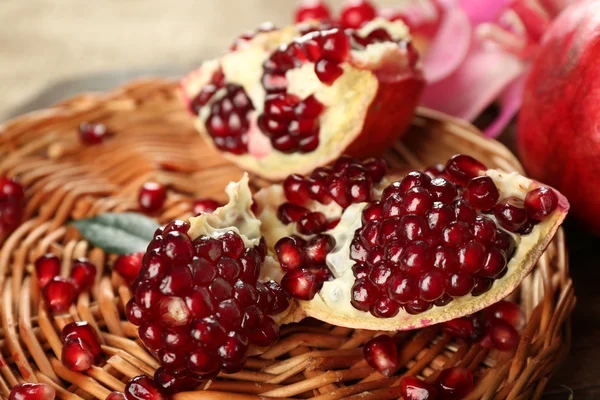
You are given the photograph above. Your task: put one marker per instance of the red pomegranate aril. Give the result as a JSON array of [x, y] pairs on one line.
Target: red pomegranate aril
[[462, 168], [288, 212], [460, 327], [432, 285], [417, 306], [454, 383], [494, 263], [439, 216], [403, 288], [435, 170], [510, 213], [150, 333], [317, 248], [379, 275], [504, 241], [360, 190], [335, 45], [279, 298], [134, 313], [464, 212], [76, 355], [207, 331], [204, 205], [152, 196], [377, 168], [455, 234], [311, 223], [471, 256], [311, 9], [412, 228], [171, 384], [250, 262], [460, 284], [46, 268], [142, 387], [11, 214], [32, 391], [443, 190], [503, 336], [416, 258], [328, 71], [86, 332], [83, 274], [384, 307], [296, 189], [203, 360], [363, 295], [411, 180], [233, 244], [413, 388], [290, 252], [59, 293], [129, 266], [234, 349], [484, 230], [302, 283], [506, 311], [372, 212], [310, 107], [356, 12], [482, 193], [445, 259], [116, 396], [381, 353], [11, 189], [527, 227], [482, 285], [540, 202], [92, 133], [417, 201]]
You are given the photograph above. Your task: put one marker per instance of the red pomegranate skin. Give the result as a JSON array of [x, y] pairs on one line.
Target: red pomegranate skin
[[559, 123]]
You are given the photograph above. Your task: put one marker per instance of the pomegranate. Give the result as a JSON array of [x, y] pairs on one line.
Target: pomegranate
[[413, 388], [307, 93], [381, 353], [559, 119], [152, 196], [91, 134], [396, 255], [32, 391], [454, 383], [129, 266], [205, 296], [12, 197]]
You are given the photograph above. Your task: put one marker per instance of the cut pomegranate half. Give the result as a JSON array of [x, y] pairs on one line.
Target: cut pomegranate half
[[306, 94], [426, 249]]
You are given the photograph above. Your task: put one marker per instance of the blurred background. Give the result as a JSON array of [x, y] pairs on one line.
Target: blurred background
[[43, 42]]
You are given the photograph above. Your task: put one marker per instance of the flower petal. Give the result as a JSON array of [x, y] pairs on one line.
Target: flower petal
[[484, 74], [483, 10], [510, 102]]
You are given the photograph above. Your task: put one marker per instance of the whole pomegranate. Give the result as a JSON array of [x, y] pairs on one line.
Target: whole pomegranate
[[559, 123]]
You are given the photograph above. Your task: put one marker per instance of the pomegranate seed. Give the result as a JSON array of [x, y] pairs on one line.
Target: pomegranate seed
[[503, 336], [59, 293], [417, 201], [460, 284], [403, 288], [435, 170], [302, 283], [288, 212], [482, 193], [411, 180], [356, 12], [290, 252], [116, 396], [482, 285], [152, 196], [363, 295], [84, 331], [508, 312], [205, 205], [92, 133], [445, 259], [32, 391], [279, 298], [432, 285], [11, 189], [540, 202], [377, 168], [11, 214], [471, 256], [328, 71], [312, 9], [83, 274], [381, 353], [46, 268], [455, 234], [413, 388], [384, 307], [296, 189], [318, 247], [510, 213], [462, 168], [171, 384], [417, 306], [129, 266], [440, 216], [142, 387], [443, 190], [455, 383], [76, 355], [312, 223], [460, 327]]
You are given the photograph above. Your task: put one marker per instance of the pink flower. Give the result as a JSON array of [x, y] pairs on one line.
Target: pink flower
[[476, 52]]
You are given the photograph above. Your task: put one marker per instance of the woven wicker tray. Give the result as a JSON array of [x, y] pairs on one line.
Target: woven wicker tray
[[153, 138]]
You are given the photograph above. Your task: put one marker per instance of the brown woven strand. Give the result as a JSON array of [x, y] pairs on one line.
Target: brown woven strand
[[152, 138]]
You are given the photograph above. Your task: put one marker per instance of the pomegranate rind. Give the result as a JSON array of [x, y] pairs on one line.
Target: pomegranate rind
[[367, 108], [529, 250]]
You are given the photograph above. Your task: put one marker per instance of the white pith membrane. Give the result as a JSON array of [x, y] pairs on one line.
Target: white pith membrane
[[237, 216], [346, 101], [332, 303]]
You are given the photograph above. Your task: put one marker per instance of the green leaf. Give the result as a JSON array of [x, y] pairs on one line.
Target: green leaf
[[118, 233]]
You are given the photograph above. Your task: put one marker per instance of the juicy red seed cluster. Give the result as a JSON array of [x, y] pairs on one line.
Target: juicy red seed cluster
[[304, 264], [59, 292], [199, 305], [346, 182], [152, 196], [92, 133], [246, 37], [81, 346], [12, 197], [290, 123], [208, 91], [495, 326]]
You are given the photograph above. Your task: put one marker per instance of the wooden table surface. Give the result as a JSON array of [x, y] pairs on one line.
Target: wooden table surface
[[579, 374]]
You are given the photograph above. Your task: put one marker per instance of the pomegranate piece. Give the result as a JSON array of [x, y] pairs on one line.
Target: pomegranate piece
[[11, 189], [454, 383], [413, 388], [506, 311], [311, 9], [410, 247], [325, 61], [76, 354], [32, 391], [152, 196], [46, 268], [11, 205], [381, 354], [59, 293], [357, 12], [86, 332], [92, 133], [129, 266], [83, 274], [205, 205], [503, 336], [116, 396], [199, 306], [142, 387], [540, 202]]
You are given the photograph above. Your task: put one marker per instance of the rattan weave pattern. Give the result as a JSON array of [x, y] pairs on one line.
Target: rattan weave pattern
[[153, 138]]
